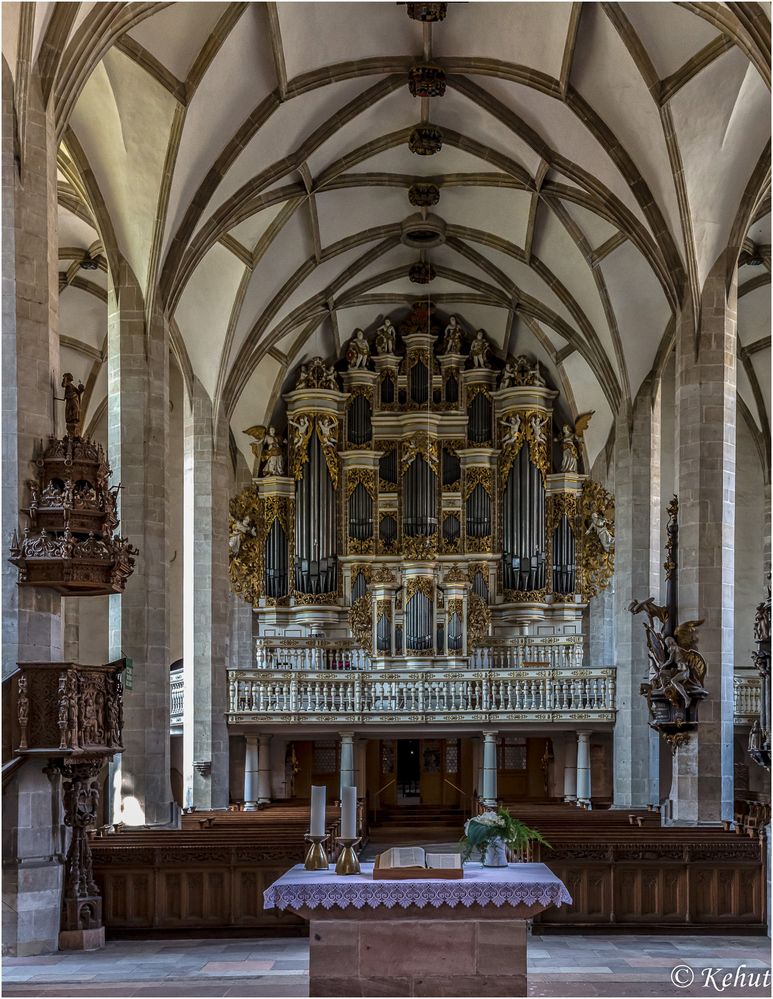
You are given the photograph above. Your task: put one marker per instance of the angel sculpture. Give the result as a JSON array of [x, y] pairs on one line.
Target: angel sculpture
[[242, 529], [273, 454], [300, 429], [600, 527], [328, 432], [385, 337], [538, 429], [513, 424], [569, 439]]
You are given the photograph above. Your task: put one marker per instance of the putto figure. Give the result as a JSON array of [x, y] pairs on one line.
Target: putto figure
[[513, 425], [358, 351], [72, 404], [599, 526], [480, 350]]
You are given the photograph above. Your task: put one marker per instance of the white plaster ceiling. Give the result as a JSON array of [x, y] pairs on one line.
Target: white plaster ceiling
[[212, 111]]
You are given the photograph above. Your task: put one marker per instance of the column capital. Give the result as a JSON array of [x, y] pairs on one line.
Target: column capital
[[490, 733]]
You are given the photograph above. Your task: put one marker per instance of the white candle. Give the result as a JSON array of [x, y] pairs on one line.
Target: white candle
[[349, 813], [317, 822]]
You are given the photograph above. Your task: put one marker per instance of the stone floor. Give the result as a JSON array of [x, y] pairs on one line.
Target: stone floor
[[569, 965]]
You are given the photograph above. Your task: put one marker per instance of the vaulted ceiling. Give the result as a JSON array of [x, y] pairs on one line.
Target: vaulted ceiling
[[251, 164]]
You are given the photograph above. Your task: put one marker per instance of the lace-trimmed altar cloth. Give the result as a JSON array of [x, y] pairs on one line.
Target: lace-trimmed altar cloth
[[516, 884]]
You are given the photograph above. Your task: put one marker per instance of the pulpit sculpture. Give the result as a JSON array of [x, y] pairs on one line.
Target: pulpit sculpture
[[674, 688], [759, 736]]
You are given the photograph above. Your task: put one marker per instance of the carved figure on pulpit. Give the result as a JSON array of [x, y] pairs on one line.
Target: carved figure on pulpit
[[452, 338], [480, 350], [513, 424], [273, 454], [358, 351], [386, 335], [72, 404]]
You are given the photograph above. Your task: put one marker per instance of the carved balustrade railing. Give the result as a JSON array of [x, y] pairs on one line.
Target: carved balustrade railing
[[565, 652], [309, 654], [408, 695], [176, 696], [747, 694]]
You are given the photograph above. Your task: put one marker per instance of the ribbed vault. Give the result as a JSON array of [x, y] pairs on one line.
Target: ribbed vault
[[251, 164]]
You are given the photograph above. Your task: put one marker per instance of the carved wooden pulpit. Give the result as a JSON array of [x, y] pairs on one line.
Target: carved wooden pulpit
[[72, 717]]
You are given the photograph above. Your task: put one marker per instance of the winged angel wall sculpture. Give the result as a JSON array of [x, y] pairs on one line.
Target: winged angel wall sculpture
[[674, 687]]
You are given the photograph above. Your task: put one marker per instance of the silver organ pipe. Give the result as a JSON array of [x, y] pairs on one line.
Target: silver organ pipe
[[315, 525], [564, 558], [523, 542], [360, 514], [478, 513], [359, 429], [418, 624], [275, 561], [419, 499], [479, 427]]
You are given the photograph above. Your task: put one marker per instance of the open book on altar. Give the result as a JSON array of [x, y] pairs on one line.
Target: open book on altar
[[402, 863]]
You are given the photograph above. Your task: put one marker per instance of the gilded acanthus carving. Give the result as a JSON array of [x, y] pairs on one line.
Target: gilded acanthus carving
[[478, 621], [420, 444], [596, 550], [327, 431], [384, 610], [677, 670], [477, 476], [420, 584], [361, 476], [519, 427], [360, 623]]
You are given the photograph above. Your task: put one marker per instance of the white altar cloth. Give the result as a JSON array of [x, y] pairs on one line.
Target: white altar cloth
[[516, 884]]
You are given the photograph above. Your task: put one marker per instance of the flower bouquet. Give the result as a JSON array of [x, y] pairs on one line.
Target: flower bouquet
[[493, 833]]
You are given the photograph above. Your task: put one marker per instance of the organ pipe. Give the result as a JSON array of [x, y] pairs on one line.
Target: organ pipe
[[315, 525], [523, 523]]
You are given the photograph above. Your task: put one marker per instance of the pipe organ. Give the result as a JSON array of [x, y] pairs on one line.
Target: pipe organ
[[429, 502]]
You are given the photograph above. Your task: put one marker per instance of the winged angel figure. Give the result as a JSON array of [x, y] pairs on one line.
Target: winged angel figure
[[569, 439], [677, 669]]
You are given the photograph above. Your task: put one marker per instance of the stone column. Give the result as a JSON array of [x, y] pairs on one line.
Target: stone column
[[251, 773], [206, 622], [71, 629], [362, 767], [347, 761], [583, 769], [637, 575], [138, 423], [489, 794], [702, 785], [570, 770], [32, 626], [264, 770]]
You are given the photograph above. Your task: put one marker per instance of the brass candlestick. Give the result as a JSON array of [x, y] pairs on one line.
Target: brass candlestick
[[348, 862], [316, 858]]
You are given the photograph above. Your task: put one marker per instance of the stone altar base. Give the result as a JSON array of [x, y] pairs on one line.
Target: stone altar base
[[446, 951], [91, 939]]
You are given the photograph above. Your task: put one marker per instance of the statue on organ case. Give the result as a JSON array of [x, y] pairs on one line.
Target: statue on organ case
[[358, 351], [480, 350]]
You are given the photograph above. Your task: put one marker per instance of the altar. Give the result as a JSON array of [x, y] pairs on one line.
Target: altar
[[425, 937]]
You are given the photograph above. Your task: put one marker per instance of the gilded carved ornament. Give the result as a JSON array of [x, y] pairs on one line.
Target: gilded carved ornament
[[519, 427], [595, 551], [419, 444], [478, 621], [361, 624]]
